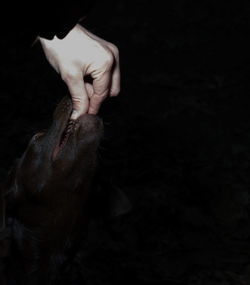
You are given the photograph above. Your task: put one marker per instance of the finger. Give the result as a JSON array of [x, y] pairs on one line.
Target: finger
[[116, 76], [101, 87], [80, 98], [115, 81], [95, 103], [90, 89]]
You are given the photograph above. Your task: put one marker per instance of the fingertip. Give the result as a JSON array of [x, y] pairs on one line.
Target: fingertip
[[74, 115], [92, 111], [114, 93], [115, 82], [80, 99], [80, 107]]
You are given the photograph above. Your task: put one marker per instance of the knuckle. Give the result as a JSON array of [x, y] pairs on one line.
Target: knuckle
[[108, 59], [77, 100], [115, 91], [114, 49], [70, 75], [101, 95]]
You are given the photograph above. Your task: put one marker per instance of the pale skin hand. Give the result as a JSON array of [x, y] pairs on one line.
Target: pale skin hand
[[79, 54]]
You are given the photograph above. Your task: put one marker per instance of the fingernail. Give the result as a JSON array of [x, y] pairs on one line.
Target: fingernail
[[74, 115]]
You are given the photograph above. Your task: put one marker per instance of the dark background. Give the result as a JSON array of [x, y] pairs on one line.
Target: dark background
[[176, 140]]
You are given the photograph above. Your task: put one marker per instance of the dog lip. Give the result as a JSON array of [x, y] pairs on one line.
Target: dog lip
[[62, 115], [64, 137]]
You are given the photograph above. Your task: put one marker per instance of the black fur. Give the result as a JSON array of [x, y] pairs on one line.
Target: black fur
[[47, 197]]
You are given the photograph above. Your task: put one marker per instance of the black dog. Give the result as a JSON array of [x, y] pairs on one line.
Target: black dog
[[47, 195]]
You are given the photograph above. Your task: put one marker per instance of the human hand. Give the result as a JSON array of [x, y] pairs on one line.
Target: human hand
[[82, 54]]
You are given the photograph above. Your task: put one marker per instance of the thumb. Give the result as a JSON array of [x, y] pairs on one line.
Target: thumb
[[79, 98]]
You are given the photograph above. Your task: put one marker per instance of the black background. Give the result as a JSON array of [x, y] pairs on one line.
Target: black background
[[176, 139]]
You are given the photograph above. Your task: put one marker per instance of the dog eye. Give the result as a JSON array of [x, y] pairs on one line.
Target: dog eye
[[38, 135]]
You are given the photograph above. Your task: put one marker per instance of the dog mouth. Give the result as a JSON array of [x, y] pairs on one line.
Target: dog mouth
[[86, 126], [67, 131], [64, 126]]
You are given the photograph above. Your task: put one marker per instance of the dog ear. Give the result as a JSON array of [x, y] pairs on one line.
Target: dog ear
[[9, 186], [10, 189], [5, 189]]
